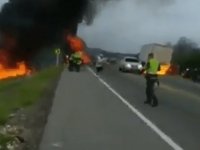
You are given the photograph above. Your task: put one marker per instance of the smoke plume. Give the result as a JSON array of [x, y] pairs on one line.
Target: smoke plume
[[28, 25]]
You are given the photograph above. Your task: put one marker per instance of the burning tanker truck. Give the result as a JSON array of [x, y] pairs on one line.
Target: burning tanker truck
[[162, 53]]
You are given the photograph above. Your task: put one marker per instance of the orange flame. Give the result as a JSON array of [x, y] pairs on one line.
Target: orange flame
[[167, 69], [20, 70], [77, 45], [8, 44], [164, 69], [8, 72]]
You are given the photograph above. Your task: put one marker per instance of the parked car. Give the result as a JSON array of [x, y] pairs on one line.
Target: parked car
[[130, 64], [192, 73]]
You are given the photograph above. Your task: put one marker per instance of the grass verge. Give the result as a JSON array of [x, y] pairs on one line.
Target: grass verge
[[23, 92], [19, 93]]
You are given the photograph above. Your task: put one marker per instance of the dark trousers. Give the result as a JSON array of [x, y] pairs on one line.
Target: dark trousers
[[74, 66], [151, 80], [99, 69], [71, 65]]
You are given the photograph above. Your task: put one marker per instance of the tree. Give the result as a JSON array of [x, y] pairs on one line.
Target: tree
[[186, 53]]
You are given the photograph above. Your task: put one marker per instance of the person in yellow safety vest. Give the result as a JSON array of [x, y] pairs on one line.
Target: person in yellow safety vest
[[76, 58], [152, 67], [75, 61]]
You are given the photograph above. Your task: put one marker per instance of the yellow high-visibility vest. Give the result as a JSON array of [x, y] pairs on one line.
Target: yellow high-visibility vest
[[153, 66]]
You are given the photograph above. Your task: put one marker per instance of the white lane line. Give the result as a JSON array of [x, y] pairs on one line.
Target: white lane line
[[158, 131]]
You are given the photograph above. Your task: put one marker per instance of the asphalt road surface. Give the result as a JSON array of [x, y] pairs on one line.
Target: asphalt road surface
[[106, 112]]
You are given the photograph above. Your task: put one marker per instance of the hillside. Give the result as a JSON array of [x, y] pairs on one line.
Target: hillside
[[96, 51]]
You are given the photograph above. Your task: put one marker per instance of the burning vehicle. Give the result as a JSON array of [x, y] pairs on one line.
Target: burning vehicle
[[78, 55], [163, 54]]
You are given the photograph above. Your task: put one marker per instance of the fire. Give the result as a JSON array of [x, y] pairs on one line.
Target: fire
[[77, 44], [20, 70], [164, 68], [6, 71], [167, 69], [8, 66]]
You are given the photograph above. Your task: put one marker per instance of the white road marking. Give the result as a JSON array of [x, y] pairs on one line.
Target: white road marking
[[158, 131]]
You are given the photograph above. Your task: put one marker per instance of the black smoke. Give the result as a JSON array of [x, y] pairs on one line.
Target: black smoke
[[38, 23]]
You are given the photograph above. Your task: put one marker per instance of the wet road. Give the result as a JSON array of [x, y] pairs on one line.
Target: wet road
[[89, 113], [178, 113]]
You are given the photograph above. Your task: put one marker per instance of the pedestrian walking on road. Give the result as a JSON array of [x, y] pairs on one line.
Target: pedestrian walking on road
[[151, 76]]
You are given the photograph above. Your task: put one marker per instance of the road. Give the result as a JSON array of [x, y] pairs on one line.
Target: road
[[107, 112], [179, 104]]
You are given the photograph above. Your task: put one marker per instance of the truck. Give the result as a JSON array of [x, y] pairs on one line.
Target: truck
[[162, 53]]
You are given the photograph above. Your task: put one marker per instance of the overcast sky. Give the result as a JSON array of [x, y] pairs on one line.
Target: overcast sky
[[127, 25]]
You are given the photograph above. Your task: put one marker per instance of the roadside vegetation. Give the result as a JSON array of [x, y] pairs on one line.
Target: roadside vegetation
[[186, 54], [23, 92]]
